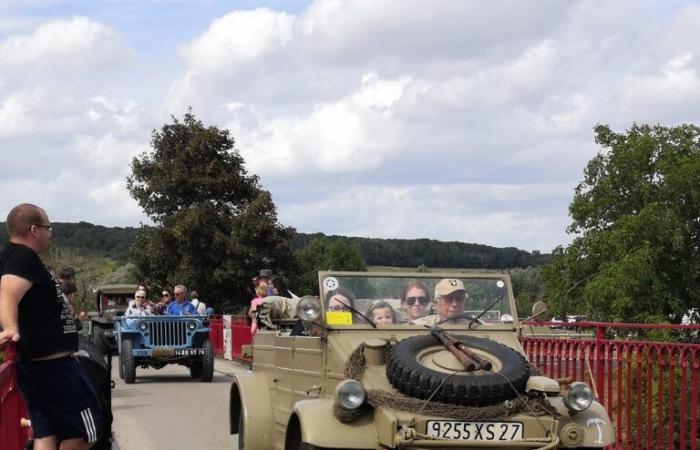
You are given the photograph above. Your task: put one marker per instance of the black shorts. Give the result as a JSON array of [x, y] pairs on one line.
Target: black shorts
[[60, 399]]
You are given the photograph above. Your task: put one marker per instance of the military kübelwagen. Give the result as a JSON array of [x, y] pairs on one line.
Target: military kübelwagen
[[405, 360]]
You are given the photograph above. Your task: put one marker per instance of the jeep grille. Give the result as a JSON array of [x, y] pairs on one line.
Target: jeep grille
[[166, 334]]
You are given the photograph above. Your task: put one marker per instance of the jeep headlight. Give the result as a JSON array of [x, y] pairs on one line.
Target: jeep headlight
[[143, 326], [191, 326], [308, 308], [349, 394], [578, 397]]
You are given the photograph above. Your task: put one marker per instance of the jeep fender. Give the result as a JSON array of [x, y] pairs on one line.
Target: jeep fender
[[250, 396], [595, 421], [320, 428]]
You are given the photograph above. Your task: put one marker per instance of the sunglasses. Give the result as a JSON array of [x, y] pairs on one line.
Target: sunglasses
[[410, 301], [140, 296], [165, 294]]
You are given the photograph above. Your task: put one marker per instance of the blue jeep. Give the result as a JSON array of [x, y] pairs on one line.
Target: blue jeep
[[155, 341]]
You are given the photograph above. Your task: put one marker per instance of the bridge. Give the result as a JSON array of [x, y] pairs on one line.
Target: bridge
[[651, 389]]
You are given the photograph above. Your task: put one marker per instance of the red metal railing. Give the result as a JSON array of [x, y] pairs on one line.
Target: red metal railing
[[216, 334], [239, 332], [12, 435], [650, 389]]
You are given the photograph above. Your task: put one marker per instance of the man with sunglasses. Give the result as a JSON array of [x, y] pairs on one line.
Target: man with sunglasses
[[450, 297], [60, 399]]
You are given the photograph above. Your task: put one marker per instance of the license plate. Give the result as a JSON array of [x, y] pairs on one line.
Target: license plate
[[475, 431], [190, 352]]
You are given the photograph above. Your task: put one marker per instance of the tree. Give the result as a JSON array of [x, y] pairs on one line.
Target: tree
[[636, 215], [215, 225], [326, 254]]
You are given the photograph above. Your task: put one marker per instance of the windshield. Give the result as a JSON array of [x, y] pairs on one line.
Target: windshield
[[115, 301], [414, 300]]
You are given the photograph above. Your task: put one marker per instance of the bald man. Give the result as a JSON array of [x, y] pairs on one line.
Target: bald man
[[61, 401]]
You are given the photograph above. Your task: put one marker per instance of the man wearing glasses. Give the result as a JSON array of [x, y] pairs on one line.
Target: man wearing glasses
[[450, 297], [61, 401], [181, 307]]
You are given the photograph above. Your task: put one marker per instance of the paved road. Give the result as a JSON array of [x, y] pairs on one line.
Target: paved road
[[166, 409]]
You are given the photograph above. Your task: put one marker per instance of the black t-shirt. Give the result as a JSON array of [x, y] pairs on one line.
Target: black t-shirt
[[45, 322]]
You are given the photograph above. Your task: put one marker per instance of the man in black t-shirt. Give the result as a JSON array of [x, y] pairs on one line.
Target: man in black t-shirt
[[61, 401]]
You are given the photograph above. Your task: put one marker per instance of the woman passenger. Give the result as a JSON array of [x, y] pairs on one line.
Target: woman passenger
[[415, 300]]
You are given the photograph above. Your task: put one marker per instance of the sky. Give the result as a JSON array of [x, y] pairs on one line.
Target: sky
[[465, 121]]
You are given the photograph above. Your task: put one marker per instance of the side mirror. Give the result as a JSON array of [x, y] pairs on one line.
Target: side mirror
[[539, 311]]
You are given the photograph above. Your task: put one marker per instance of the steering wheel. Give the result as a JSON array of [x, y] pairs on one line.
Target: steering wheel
[[463, 316]]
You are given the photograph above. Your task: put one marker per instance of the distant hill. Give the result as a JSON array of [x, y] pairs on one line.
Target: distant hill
[[114, 242]]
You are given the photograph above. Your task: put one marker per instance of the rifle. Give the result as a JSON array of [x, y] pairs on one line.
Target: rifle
[[452, 346], [483, 363]]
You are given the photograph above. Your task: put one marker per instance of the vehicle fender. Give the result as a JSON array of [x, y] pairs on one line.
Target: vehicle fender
[[250, 396], [595, 421], [320, 428]]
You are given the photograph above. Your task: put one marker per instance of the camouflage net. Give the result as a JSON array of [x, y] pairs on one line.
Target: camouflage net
[[355, 369]]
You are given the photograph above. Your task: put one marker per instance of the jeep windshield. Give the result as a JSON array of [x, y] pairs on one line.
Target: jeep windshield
[[415, 300]]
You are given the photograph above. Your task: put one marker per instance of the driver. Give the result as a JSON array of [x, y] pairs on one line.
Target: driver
[[450, 296]]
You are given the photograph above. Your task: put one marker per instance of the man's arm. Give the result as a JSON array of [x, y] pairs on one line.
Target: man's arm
[[12, 289]]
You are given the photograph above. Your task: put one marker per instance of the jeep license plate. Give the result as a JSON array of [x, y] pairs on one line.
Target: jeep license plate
[[190, 352], [475, 431]]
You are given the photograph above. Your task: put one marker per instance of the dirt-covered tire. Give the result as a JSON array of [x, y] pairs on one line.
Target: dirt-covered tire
[[407, 371], [207, 362], [126, 360]]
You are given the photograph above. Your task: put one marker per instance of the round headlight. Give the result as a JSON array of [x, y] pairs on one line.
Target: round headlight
[[308, 308], [143, 326], [578, 397], [349, 394], [191, 326]]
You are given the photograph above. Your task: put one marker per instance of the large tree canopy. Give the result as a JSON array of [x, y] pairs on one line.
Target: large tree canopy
[[215, 226], [636, 214]]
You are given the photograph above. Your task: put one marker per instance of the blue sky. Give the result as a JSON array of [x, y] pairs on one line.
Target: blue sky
[[466, 121]]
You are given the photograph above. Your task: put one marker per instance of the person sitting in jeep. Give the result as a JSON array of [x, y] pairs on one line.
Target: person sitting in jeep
[[140, 306], [181, 307], [450, 297]]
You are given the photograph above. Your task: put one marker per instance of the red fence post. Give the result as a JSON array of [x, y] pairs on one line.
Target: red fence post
[[12, 435]]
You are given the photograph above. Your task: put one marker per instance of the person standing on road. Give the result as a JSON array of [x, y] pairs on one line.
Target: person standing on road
[[181, 307], [62, 404]]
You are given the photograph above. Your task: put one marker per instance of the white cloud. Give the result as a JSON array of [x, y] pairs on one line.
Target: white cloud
[[454, 120]]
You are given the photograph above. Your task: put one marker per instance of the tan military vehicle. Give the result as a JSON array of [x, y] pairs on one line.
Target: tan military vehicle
[[405, 360]]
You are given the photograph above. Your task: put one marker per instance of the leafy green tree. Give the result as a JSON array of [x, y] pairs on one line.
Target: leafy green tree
[[636, 215], [215, 225], [528, 287], [326, 254]]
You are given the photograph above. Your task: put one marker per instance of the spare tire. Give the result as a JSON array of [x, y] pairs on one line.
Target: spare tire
[[421, 367]]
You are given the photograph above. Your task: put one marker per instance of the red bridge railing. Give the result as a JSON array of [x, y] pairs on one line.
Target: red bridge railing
[[650, 389], [12, 435]]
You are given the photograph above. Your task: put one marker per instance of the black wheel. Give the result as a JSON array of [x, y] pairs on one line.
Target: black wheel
[[241, 432], [126, 360], [121, 368], [196, 369], [207, 362], [420, 367], [98, 337]]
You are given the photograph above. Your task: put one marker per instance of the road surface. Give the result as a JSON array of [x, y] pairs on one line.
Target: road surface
[[166, 409]]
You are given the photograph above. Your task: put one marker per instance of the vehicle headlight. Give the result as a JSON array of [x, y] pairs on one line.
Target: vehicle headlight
[[191, 326], [349, 394], [578, 397], [308, 308], [143, 326]]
